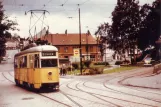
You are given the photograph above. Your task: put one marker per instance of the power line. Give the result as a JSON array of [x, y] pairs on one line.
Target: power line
[[64, 3], [56, 5], [15, 2], [84, 2]]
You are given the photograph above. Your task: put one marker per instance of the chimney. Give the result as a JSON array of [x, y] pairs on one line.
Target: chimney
[[66, 32]]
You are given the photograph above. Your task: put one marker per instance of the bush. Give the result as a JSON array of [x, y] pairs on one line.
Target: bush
[[75, 65], [99, 70], [126, 62], [87, 63], [118, 62], [69, 69], [101, 63], [92, 71]]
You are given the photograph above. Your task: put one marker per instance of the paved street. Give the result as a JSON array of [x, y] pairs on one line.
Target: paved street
[[110, 90]]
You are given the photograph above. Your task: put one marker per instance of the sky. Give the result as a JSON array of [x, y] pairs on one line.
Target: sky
[[63, 14]]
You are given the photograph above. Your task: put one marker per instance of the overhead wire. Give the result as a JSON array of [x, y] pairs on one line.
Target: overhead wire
[[84, 2], [35, 23], [15, 2], [30, 25], [42, 24], [40, 19], [65, 3]]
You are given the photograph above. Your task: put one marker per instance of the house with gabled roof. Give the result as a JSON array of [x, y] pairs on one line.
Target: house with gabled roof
[[66, 43]]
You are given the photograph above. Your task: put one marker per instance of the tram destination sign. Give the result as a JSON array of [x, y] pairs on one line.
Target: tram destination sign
[[48, 53]]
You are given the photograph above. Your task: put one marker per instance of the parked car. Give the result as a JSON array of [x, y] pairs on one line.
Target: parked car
[[147, 61], [4, 59], [9, 57]]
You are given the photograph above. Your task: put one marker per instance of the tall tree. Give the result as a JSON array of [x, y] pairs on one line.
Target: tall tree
[[103, 34], [5, 26], [125, 26], [150, 26]]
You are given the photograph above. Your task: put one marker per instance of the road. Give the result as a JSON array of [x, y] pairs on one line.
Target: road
[[104, 90]]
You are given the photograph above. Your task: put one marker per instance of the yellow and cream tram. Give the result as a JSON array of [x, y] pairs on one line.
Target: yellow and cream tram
[[37, 67]]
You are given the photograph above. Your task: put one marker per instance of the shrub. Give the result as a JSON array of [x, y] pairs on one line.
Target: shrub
[[87, 63], [92, 71], [126, 61], [101, 63], [75, 65], [99, 70], [69, 68], [118, 62]]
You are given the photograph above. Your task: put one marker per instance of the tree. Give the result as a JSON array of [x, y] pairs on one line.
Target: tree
[[125, 27], [104, 36], [5, 26], [150, 27]]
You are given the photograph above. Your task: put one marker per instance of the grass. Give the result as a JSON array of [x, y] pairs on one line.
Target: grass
[[120, 69], [92, 66], [74, 72]]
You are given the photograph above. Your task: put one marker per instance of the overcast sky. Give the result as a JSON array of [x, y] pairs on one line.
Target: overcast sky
[[93, 13]]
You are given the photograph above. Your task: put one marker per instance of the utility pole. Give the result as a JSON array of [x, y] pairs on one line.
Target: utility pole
[[80, 45]]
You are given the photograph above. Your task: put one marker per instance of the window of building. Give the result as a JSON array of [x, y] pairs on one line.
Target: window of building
[[65, 49], [91, 48], [65, 56], [75, 47]]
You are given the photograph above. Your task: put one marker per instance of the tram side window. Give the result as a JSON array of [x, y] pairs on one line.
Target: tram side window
[[49, 63], [31, 61], [36, 62], [15, 63], [23, 62]]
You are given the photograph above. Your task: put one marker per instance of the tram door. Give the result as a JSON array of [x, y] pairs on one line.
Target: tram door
[[16, 68]]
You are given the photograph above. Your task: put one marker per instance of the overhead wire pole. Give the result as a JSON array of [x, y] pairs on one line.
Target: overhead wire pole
[[32, 11], [80, 45]]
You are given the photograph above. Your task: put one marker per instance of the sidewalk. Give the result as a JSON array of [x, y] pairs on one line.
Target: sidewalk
[[152, 82]]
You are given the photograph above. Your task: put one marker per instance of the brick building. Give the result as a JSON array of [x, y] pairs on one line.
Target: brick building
[[66, 43], [11, 44]]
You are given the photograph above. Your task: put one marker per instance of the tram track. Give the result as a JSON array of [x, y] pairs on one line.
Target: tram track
[[64, 104], [98, 96], [118, 92], [113, 97], [128, 87], [65, 94], [116, 105], [53, 99]]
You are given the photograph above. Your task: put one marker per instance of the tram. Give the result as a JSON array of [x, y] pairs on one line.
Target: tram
[[37, 67]]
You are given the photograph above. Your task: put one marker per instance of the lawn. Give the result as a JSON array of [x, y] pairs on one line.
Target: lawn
[[77, 72], [120, 69]]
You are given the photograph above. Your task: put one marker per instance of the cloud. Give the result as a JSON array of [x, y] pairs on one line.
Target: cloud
[[93, 13]]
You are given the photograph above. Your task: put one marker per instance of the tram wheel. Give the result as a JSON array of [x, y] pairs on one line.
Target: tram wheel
[[16, 81]]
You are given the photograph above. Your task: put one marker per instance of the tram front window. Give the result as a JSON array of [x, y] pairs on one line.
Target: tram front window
[[49, 63]]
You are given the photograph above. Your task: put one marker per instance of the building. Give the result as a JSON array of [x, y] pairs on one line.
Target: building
[[67, 43], [11, 44]]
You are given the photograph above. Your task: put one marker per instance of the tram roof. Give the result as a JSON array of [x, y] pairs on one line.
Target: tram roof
[[38, 49]]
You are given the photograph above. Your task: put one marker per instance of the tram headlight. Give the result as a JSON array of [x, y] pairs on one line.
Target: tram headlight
[[49, 73]]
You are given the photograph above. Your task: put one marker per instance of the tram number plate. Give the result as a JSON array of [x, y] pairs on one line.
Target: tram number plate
[[50, 77], [49, 54]]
